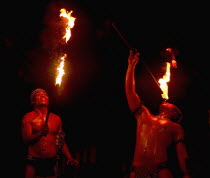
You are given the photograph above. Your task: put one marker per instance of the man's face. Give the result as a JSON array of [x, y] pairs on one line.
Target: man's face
[[172, 110], [164, 107], [40, 98]]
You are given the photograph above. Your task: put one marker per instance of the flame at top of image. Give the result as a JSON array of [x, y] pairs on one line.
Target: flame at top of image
[[164, 82], [70, 23]]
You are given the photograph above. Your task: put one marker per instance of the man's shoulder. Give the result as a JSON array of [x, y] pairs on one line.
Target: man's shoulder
[[28, 114], [143, 110], [175, 126], [54, 115]]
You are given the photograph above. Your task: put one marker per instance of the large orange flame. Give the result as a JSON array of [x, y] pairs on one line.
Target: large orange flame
[[171, 63], [70, 24], [164, 82]]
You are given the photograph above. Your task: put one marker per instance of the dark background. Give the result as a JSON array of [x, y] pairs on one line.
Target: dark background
[[91, 100]]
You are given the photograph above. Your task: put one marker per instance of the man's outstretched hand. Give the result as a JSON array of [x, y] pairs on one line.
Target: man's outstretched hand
[[73, 162], [134, 56]]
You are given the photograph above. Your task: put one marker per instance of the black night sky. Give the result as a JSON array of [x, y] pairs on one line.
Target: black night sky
[[91, 100]]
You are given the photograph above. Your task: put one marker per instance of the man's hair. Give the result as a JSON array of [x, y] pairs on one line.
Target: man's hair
[[34, 92]]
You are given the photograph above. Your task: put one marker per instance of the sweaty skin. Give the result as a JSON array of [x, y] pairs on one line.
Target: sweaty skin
[[41, 146], [154, 134], [40, 136]]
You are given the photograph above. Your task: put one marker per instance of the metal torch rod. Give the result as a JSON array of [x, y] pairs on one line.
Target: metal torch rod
[[130, 47]]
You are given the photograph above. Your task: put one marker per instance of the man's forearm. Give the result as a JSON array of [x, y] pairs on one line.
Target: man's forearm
[[66, 152]]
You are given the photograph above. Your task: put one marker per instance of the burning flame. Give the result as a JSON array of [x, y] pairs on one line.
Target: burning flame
[[173, 59], [60, 71], [70, 24], [163, 82], [166, 78]]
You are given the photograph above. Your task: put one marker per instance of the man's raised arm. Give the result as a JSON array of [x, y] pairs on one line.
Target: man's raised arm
[[133, 99]]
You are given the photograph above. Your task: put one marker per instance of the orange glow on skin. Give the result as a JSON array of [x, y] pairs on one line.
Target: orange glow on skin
[[163, 121]]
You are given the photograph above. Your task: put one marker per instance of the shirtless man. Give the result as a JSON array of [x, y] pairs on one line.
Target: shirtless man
[[154, 134], [43, 135]]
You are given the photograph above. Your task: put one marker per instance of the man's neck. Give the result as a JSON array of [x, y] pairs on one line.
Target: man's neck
[[41, 109]]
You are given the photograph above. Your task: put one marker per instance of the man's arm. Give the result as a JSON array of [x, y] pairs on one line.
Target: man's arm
[[182, 154], [183, 159], [133, 99], [61, 142], [67, 153]]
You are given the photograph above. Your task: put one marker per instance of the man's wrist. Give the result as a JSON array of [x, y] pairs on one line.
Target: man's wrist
[[70, 158]]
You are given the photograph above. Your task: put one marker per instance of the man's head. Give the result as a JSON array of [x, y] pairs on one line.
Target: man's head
[[172, 110], [39, 97]]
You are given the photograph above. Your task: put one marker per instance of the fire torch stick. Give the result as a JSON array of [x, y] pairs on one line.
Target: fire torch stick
[[130, 47]]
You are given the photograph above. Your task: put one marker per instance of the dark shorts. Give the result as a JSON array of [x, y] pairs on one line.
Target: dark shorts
[[148, 172], [44, 166]]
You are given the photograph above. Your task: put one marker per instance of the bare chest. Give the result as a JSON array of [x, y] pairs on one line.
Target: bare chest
[[38, 122]]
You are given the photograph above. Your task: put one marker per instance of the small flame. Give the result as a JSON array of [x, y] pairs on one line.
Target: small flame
[[70, 23], [169, 50], [163, 82], [172, 57], [174, 63], [60, 70]]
